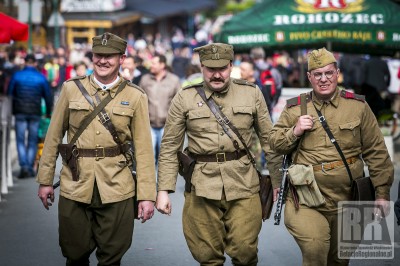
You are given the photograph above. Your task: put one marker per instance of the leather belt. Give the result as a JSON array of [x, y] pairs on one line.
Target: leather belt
[[219, 157], [99, 152], [333, 165]]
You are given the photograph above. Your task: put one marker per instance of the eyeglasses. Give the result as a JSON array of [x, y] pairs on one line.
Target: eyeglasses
[[328, 74]]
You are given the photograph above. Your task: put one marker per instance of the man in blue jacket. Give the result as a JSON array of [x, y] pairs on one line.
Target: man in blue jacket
[[27, 88]]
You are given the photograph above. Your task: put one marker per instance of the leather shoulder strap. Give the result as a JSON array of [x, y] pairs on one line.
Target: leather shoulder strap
[[224, 122], [97, 109]]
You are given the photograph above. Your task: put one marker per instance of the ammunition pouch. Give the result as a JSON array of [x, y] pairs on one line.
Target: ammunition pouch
[[69, 154], [186, 167]]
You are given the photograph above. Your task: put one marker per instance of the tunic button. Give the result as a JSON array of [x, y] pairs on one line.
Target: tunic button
[[103, 93], [98, 132], [217, 96], [222, 147], [220, 107], [97, 145], [123, 113], [222, 133]]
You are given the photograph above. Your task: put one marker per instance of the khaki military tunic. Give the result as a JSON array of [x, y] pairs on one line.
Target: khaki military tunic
[[354, 127], [244, 105], [129, 113]]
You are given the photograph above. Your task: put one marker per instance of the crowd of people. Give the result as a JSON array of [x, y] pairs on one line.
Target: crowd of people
[[126, 115]]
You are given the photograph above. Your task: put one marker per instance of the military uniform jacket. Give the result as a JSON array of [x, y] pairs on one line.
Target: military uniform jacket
[[244, 104], [355, 128], [128, 112]]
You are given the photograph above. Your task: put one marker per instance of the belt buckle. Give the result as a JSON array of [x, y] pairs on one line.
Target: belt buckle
[[223, 157], [101, 156], [104, 117]]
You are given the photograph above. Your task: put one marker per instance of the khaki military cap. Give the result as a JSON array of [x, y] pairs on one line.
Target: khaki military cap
[[215, 54], [108, 43], [320, 58]]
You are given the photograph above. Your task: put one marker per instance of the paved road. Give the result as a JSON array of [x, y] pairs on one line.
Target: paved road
[[28, 235]]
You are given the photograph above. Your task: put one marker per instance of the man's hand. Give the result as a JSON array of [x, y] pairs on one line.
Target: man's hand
[[163, 203], [146, 210], [305, 122], [382, 209], [44, 193]]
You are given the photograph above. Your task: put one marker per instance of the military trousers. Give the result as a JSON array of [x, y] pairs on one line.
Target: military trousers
[[215, 227], [316, 233], [85, 227]]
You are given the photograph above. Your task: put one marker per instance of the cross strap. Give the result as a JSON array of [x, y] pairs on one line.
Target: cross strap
[[333, 140], [98, 110], [225, 123]]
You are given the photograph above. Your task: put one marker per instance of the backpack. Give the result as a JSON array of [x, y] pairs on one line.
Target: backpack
[[268, 82]]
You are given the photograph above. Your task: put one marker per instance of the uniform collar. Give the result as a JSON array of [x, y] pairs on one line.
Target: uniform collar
[[210, 92], [113, 89], [334, 101]]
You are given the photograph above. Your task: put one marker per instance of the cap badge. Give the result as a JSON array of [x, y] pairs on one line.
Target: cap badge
[[214, 49], [105, 38]]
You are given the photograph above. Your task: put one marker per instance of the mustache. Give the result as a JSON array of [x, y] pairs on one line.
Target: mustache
[[217, 80]]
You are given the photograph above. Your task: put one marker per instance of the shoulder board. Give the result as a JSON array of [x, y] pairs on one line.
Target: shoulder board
[[130, 84], [296, 100], [350, 95], [77, 77], [243, 82], [192, 86]]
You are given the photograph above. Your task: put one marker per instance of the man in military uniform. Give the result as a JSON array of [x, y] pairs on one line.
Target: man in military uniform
[[222, 213], [356, 130], [97, 210]]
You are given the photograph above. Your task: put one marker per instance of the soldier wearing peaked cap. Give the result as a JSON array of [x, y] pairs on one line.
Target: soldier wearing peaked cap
[[96, 204], [222, 210], [353, 125]]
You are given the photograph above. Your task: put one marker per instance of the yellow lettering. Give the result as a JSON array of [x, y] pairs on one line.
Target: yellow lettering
[[362, 35]]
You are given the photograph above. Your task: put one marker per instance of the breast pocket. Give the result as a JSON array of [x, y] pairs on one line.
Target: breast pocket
[[77, 113], [242, 117], [199, 120], [121, 117], [349, 134]]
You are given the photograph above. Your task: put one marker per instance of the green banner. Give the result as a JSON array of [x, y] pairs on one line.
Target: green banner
[[359, 26]]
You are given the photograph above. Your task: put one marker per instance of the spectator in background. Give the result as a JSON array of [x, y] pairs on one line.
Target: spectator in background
[[80, 69], [181, 61], [140, 70], [27, 88], [128, 68], [160, 87], [52, 72], [193, 75], [375, 86], [261, 65], [65, 73], [247, 73], [352, 66]]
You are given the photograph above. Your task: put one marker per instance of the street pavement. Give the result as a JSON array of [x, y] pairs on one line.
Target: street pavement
[[29, 233]]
